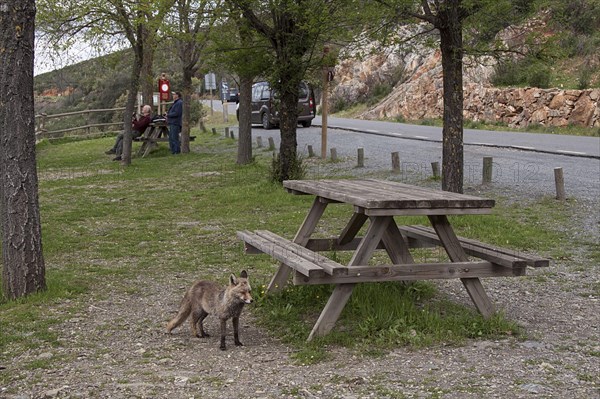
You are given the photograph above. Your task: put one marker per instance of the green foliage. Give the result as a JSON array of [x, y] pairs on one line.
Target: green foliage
[[296, 170], [580, 16], [528, 71], [379, 92]]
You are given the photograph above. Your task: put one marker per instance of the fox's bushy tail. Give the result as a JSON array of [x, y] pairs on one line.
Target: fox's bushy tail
[[184, 311]]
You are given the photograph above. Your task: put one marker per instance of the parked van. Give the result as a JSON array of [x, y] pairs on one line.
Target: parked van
[[264, 112]]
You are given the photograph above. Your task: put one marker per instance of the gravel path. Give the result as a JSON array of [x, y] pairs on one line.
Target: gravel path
[[114, 344]]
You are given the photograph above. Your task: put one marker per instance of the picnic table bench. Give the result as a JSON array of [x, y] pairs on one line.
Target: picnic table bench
[[379, 202], [156, 132]]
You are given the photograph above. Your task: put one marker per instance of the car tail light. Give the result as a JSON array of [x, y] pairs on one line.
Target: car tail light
[[310, 105]]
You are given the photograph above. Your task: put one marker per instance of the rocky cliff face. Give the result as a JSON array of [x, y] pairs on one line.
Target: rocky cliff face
[[419, 94]]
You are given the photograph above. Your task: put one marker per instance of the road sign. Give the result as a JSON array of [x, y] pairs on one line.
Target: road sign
[[210, 81], [164, 87]]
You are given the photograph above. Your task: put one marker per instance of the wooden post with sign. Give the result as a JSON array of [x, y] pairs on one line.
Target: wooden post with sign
[[164, 90], [324, 107]]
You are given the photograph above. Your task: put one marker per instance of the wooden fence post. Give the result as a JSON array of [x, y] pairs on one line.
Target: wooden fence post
[[560, 184], [87, 122], [395, 162], [214, 130], [435, 169], [311, 152], [487, 170], [361, 157], [259, 143], [227, 132], [271, 144], [333, 154]]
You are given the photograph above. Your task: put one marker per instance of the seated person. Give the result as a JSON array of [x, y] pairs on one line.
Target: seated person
[[138, 126]]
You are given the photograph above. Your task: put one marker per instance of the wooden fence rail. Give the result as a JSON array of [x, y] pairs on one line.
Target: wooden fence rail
[[89, 129]]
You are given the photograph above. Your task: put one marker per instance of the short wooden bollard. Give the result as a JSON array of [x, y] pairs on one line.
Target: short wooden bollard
[[395, 162], [231, 135], [271, 144], [227, 132], [560, 184], [360, 158], [487, 170], [214, 130], [333, 154], [311, 152], [259, 142], [435, 169]]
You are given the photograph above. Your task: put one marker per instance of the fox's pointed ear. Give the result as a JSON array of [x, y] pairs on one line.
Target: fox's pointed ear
[[233, 280], [243, 274]]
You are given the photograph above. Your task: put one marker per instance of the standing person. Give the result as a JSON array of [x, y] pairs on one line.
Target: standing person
[[138, 127], [174, 121]]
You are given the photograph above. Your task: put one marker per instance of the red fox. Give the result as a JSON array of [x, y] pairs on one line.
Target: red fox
[[207, 297]]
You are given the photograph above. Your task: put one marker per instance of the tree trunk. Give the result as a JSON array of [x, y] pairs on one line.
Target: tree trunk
[[148, 81], [244, 155], [288, 123], [23, 270], [187, 90], [452, 52], [130, 104]]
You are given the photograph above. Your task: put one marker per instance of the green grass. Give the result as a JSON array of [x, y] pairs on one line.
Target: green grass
[[165, 214]]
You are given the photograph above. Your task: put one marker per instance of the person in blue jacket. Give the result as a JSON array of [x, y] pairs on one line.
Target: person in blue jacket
[[174, 121]]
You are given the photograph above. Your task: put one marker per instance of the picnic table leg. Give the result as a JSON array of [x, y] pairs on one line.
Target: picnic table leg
[[331, 312], [280, 278], [147, 133], [395, 245], [342, 292], [456, 253], [352, 228]]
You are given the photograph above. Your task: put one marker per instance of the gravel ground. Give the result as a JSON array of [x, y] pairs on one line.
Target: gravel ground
[[114, 343]]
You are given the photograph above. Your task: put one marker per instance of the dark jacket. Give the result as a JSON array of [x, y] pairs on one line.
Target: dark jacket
[[141, 124], [175, 112]]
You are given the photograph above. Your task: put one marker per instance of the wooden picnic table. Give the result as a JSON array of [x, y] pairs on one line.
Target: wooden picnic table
[[379, 202], [155, 133]]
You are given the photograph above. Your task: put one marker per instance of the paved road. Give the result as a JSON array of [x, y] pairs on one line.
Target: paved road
[[548, 143]]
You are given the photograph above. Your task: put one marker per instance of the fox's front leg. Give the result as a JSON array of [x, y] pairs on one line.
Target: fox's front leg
[[223, 333], [236, 338]]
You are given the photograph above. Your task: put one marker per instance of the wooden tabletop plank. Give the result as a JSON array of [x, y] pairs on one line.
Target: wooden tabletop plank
[[377, 194]]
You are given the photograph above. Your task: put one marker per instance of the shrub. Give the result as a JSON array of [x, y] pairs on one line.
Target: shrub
[[297, 169], [378, 93], [539, 76], [338, 105], [527, 71]]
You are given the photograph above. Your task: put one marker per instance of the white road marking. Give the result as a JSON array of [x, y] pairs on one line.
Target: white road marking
[[571, 152]]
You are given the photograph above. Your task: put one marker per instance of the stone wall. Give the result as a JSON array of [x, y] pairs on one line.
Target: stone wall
[[518, 107]]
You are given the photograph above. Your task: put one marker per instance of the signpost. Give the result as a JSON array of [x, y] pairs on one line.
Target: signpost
[[164, 90], [210, 83], [224, 99]]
